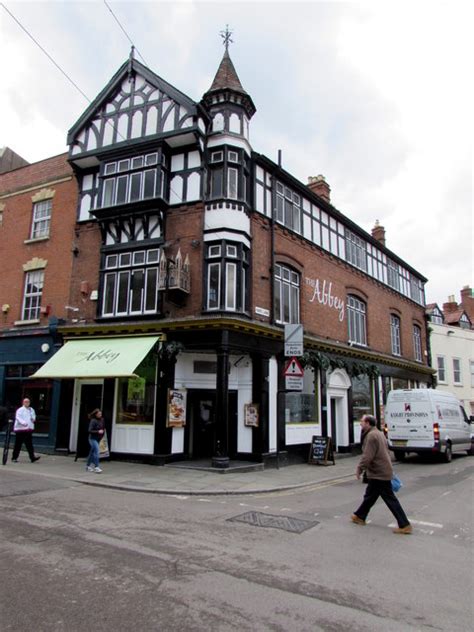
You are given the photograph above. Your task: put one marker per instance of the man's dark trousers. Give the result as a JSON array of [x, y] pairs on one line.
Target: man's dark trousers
[[376, 488], [20, 439]]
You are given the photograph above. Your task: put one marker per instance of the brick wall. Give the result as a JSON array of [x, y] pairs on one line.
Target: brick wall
[[328, 274], [16, 191]]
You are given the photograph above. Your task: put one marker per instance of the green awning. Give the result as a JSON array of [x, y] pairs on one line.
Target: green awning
[[98, 357]]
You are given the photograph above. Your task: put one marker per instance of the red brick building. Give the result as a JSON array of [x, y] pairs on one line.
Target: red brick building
[[193, 258], [37, 221]]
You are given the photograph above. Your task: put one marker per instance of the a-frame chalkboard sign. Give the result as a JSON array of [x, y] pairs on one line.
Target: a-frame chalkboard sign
[[321, 451]]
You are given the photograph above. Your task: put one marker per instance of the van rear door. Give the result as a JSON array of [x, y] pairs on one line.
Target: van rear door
[[409, 418]]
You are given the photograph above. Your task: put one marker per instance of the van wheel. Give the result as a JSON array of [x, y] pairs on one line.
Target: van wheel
[[399, 455], [448, 453]]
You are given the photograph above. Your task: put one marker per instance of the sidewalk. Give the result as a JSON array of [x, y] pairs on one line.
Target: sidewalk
[[169, 479]]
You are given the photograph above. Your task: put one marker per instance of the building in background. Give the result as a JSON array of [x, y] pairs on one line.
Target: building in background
[[452, 346], [37, 222], [191, 256]]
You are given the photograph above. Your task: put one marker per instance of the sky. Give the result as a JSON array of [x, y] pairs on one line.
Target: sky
[[376, 96]]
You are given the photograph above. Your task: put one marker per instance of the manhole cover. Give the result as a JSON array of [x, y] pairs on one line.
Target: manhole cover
[[287, 523]]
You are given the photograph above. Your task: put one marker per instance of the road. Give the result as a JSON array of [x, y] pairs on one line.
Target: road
[[82, 558]]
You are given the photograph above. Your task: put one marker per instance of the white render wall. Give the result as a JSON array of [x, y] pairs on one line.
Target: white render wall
[[455, 342]]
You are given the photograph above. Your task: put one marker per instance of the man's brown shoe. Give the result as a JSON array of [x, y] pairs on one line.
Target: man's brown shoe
[[357, 520], [406, 530]]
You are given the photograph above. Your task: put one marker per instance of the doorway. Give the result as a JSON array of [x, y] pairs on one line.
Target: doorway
[[202, 423], [88, 397]]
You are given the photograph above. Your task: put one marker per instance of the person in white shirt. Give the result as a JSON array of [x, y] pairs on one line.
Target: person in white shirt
[[25, 418]]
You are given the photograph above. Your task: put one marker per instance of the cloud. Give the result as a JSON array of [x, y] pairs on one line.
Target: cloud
[[376, 96]]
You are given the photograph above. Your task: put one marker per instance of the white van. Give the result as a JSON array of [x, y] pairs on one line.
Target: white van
[[426, 420]]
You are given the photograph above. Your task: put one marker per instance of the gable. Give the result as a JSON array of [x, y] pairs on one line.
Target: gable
[[135, 104]]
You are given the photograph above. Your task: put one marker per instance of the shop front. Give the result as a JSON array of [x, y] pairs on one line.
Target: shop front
[[116, 374]]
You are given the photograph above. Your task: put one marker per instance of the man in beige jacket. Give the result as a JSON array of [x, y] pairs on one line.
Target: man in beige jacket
[[377, 465]]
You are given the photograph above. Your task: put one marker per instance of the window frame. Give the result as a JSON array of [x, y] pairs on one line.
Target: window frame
[[457, 372], [287, 285], [30, 313], [226, 282], [43, 221], [395, 334], [118, 274], [417, 346], [356, 320], [441, 368]]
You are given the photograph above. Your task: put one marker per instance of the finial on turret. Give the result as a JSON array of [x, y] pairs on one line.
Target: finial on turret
[[226, 37]]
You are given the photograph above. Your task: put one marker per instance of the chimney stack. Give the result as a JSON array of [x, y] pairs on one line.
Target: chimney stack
[[467, 301], [451, 305], [318, 185], [378, 232]]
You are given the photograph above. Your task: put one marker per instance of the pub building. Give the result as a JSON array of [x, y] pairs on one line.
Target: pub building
[[194, 254]]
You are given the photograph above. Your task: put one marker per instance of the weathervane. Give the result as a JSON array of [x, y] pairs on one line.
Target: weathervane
[[226, 37]]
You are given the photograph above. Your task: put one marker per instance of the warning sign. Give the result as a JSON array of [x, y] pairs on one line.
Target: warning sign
[[293, 375], [293, 369]]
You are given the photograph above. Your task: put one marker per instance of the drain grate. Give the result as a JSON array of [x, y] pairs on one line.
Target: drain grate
[[287, 523]]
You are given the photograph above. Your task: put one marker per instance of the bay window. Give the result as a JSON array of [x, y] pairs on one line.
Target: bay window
[[226, 276], [131, 281]]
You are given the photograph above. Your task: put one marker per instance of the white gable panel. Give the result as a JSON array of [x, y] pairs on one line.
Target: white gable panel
[[168, 116], [154, 230], [259, 201], [194, 159], [154, 95], [110, 108], [85, 207], [176, 190], [234, 124], [126, 85], [108, 132], [151, 120], [177, 162], [91, 138], [137, 124], [123, 126], [306, 226], [194, 187], [139, 232]]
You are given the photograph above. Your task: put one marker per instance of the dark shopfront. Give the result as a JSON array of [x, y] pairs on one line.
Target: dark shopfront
[[22, 353]]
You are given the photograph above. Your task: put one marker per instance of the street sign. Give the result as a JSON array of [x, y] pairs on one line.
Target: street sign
[[293, 383], [293, 369], [294, 340]]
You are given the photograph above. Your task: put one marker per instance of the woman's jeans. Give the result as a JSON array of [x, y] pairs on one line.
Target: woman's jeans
[[93, 458]]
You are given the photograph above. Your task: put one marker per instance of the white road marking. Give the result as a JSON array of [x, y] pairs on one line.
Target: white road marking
[[436, 525], [446, 493]]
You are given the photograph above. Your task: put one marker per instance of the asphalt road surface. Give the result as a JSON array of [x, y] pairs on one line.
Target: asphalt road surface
[[81, 558]]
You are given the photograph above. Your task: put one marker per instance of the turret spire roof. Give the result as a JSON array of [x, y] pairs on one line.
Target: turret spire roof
[[226, 76]]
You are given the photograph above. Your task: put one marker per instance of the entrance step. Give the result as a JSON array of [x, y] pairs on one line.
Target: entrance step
[[205, 465]]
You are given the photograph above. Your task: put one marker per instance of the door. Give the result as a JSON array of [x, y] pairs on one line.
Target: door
[[203, 418], [89, 397]]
